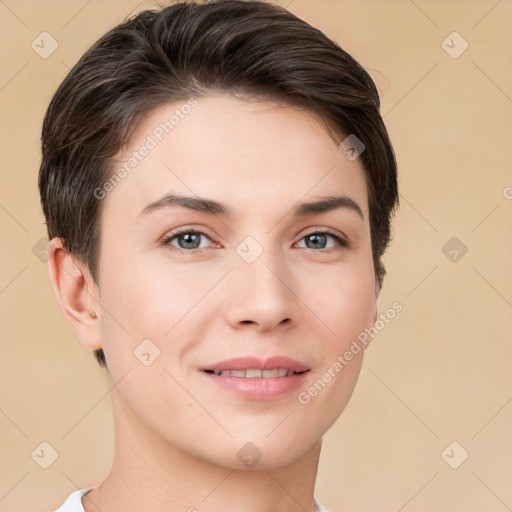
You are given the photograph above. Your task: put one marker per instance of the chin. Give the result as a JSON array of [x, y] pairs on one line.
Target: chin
[[260, 453]]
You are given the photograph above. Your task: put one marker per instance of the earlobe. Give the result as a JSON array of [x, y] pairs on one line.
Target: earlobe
[[372, 317], [76, 294], [374, 311], [376, 303]]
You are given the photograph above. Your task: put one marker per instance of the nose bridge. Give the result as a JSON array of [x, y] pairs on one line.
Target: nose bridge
[[261, 293]]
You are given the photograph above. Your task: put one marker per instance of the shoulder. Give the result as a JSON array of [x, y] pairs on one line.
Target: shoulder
[[74, 502], [319, 506]]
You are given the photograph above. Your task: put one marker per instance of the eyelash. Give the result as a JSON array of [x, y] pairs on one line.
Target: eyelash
[[166, 241]]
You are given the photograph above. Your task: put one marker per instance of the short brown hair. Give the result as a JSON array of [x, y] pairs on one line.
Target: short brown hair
[[193, 48]]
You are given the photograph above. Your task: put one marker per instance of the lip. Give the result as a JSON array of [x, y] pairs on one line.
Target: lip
[[247, 363], [258, 388]]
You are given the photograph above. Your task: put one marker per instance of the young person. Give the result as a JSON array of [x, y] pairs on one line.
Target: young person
[[218, 186]]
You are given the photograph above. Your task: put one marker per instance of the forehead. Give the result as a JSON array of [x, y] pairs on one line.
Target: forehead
[[244, 153]]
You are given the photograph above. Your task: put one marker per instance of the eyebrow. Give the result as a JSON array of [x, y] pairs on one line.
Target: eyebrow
[[212, 207]]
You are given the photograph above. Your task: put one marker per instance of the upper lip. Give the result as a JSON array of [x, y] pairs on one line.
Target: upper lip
[[255, 363]]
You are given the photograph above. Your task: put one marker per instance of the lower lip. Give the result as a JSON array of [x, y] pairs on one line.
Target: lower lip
[[258, 388]]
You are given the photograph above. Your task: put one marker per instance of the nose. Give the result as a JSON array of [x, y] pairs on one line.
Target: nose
[[260, 295]]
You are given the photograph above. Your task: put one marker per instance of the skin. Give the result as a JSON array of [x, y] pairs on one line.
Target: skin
[[176, 433]]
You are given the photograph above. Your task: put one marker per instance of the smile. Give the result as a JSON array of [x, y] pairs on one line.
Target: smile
[[252, 374], [253, 378]]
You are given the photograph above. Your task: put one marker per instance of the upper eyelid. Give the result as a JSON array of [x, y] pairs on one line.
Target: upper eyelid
[[342, 240], [171, 236]]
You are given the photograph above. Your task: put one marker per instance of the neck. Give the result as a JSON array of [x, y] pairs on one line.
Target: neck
[[150, 473]]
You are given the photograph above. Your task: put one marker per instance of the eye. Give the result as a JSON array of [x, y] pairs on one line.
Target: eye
[[191, 240], [186, 240], [319, 240]]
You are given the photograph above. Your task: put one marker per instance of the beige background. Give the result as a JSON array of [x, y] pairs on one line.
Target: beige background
[[439, 372]]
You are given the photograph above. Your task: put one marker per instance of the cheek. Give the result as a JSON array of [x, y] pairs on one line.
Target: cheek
[[150, 299], [344, 301], [147, 296], [345, 307], [356, 308]]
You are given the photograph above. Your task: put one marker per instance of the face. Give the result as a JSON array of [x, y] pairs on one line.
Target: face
[[210, 253]]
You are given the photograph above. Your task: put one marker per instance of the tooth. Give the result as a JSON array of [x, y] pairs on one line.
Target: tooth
[[257, 373], [253, 373]]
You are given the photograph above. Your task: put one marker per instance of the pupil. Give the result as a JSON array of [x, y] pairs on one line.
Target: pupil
[[191, 240], [316, 239]]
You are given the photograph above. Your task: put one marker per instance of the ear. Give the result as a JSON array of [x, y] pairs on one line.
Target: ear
[[77, 294]]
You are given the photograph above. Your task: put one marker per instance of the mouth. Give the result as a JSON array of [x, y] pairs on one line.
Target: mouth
[[258, 379], [254, 367], [276, 373]]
